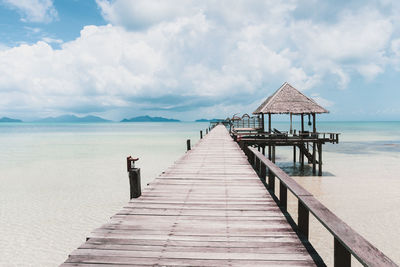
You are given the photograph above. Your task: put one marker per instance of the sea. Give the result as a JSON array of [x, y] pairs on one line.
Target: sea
[[60, 181]]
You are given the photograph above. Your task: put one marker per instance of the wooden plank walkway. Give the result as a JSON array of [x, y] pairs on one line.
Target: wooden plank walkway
[[208, 209]]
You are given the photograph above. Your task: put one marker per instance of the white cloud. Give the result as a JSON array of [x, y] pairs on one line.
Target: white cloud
[[193, 54], [50, 40], [322, 101], [33, 10]]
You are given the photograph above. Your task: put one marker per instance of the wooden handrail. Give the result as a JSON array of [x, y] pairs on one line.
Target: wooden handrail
[[346, 240]]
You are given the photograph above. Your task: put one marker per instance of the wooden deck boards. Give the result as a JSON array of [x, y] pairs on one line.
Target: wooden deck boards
[[208, 209]]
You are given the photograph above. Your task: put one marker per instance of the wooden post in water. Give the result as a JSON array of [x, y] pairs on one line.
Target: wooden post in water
[[319, 159], [201, 134], [314, 158], [273, 153], [294, 153], [341, 256], [301, 157], [188, 145], [269, 152], [134, 178], [207, 131]]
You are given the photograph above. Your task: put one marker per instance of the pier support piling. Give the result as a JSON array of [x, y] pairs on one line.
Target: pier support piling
[[319, 159], [314, 159], [294, 153], [273, 154], [188, 145], [201, 134]]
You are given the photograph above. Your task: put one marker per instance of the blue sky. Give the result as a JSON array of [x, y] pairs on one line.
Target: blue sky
[[192, 59]]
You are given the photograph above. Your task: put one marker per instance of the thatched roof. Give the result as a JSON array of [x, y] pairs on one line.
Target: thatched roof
[[288, 99]]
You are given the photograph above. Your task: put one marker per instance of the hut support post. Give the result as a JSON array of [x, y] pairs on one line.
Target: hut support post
[[269, 131], [313, 123], [302, 123], [269, 122], [291, 130], [319, 159], [262, 122], [263, 150]]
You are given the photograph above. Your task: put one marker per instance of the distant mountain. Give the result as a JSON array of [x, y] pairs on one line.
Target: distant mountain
[[149, 119], [72, 119], [206, 120], [5, 119]]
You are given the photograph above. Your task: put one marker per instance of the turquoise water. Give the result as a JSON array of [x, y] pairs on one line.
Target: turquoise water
[[60, 181]]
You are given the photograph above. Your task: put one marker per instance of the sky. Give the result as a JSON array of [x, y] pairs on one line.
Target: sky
[[190, 59]]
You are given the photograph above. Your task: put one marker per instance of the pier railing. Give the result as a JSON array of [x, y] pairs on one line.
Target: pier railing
[[347, 242], [304, 136]]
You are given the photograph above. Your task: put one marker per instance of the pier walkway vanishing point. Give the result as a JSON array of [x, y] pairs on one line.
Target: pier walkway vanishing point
[[208, 209]]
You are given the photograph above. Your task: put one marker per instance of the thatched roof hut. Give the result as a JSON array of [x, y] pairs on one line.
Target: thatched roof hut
[[289, 100]]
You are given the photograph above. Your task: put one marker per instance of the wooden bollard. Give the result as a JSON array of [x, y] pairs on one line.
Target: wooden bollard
[[201, 134], [134, 177], [188, 145]]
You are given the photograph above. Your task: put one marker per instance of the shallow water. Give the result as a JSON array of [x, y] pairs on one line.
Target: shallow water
[[60, 181]]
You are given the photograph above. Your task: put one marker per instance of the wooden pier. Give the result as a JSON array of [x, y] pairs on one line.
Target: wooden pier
[[212, 209]]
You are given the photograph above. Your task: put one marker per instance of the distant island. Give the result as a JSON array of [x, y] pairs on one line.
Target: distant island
[[206, 120], [5, 119], [72, 119], [149, 119]]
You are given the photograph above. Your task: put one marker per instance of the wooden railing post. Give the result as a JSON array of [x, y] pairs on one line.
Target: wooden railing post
[[341, 256], [257, 167], [282, 195], [271, 181], [303, 219], [188, 145], [263, 172]]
